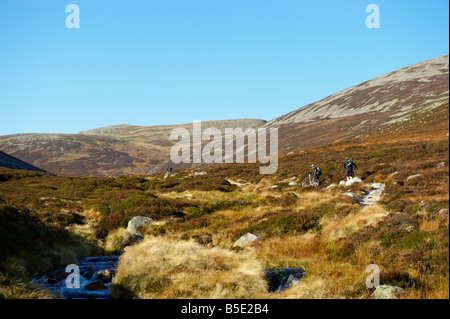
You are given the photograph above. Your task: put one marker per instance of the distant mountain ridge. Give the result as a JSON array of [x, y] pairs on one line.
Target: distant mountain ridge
[[412, 101], [108, 151]]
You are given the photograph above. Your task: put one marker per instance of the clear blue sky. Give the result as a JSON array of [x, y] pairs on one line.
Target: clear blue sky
[[174, 61]]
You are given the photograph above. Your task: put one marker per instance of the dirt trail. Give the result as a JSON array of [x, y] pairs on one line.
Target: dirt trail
[[369, 198]]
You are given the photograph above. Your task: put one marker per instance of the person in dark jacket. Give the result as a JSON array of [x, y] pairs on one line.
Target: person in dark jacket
[[349, 165], [316, 171]]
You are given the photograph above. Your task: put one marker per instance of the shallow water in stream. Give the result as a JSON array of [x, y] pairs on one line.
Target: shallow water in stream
[[89, 274], [278, 279]]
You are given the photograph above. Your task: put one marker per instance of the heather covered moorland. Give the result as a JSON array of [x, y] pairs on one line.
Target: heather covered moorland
[[198, 214]]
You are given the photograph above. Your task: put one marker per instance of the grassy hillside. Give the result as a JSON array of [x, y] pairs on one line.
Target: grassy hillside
[[320, 230]]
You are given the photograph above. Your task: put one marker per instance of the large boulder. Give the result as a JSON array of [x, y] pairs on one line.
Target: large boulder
[[136, 222], [245, 240], [386, 292]]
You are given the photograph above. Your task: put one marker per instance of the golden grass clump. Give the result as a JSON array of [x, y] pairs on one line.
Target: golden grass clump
[[334, 227], [118, 239], [162, 268]]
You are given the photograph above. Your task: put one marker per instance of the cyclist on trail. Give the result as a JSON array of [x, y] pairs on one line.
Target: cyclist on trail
[[348, 165], [316, 172]]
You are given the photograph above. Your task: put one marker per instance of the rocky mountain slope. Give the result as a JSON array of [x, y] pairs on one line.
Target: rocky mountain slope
[[412, 99]]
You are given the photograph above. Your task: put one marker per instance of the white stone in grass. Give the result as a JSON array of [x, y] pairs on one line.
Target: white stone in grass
[[245, 240]]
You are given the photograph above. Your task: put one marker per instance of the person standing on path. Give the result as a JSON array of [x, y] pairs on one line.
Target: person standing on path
[[349, 165]]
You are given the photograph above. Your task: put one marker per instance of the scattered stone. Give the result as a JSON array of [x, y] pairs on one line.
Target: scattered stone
[[199, 173], [245, 240], [275, 186], [136, 222], [441, 164], [410, 228], [353, 180], [443, 212], [292, 184], [377, 185], [349, 194], [369, 198], [106, 276], [413, 176], [236, 183], [395, 173], [189, 196], [57, 277], [290, 153], [167, 174], [96, 285], [331, 185], [342, 183], [386, 292]]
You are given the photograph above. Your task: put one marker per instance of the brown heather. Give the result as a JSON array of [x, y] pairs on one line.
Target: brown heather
[[48, 220]]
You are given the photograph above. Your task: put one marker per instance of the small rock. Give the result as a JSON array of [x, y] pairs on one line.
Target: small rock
[[292, 184], [353, 180], [378, 185], [106, 276], [410, 228], [199, 173], [349, 194], [275, 186], [443, 212], [395, 173], [56, 277], [331, 185], [290, 153], [441, 164], [342, 183], [245, 240], [386, 292], [413, 176], [96, 285]]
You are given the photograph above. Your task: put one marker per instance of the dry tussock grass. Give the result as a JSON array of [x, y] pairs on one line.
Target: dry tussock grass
[[335, 227], [161, 268]]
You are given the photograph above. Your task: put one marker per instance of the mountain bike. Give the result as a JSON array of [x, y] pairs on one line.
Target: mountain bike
[[310, 180]]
